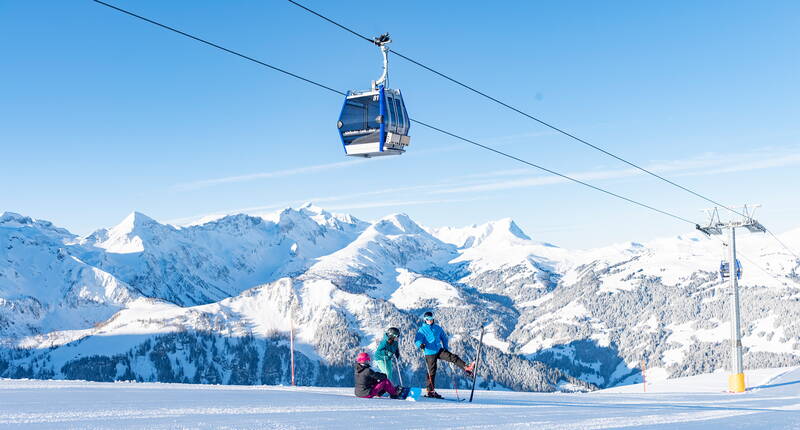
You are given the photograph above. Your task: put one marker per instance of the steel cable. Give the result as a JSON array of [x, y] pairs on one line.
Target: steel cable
[[310, 81], [538, 120]]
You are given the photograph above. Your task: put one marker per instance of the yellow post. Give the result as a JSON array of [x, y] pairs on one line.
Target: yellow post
[[736, 379], [736, 383]]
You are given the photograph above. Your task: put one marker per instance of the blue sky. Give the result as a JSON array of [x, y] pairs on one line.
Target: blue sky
[[102, 114]]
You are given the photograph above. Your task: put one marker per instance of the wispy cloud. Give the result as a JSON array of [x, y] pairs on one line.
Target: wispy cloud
[[399, 203], [513, 138], [539, 180], [265, 175], [497, 141], [484, 182], [749, 164], [702, 165]]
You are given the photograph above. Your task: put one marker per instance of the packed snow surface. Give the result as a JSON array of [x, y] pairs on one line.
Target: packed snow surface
[[695, 402]]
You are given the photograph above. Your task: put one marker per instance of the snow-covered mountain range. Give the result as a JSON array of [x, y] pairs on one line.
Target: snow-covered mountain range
[[214, 302]]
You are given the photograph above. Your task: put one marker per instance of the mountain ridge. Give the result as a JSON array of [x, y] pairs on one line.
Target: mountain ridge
[[222, 289]]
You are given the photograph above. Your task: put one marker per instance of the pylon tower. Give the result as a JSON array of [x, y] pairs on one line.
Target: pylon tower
[[732, 271]]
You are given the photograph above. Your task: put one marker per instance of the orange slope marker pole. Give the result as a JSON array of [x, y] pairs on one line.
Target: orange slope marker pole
[[291, 347], [644, 377]]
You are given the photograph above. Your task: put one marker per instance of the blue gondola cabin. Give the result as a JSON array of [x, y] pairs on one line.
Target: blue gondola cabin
[[374, 123]]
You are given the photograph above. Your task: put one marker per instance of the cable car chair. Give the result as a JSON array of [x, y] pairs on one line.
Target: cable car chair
[[725, 270], [375, 122]]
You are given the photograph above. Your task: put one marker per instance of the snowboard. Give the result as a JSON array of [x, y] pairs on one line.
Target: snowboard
[[404, 393], [414, 394]]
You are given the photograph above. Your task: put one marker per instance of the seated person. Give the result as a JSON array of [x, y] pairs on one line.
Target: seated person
[[369, 383]]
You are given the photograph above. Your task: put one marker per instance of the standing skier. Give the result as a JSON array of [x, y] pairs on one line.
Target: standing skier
[[369, 383], [388, 350], [433, 342]]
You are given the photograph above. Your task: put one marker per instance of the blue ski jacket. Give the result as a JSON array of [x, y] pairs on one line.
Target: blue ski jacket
[[432, 336]]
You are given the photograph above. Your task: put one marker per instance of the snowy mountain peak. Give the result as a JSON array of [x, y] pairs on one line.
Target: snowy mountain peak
[[238, 224], [15, 220], [398, 224], [503, 230], [320, 215], [300, 220], [127, 236], [135, 221], [510, 226], [311, 207]]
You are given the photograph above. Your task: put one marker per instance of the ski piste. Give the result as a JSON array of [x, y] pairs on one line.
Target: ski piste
[[445, 399], [415, 395], [477, 363]]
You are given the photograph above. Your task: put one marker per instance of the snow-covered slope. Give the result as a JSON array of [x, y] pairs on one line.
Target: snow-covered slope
[[209, 262], [773, 402], [663, 302], [213, 302], [305, 261], [44, 288], [371, 263]]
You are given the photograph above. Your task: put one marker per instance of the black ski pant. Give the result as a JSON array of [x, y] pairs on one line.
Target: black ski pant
[[431, 361]]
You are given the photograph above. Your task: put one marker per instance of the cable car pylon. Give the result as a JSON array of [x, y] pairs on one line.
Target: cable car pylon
[[732, 271], [375, 122]]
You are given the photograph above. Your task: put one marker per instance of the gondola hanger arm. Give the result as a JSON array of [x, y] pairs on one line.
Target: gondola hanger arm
[[381, 41]]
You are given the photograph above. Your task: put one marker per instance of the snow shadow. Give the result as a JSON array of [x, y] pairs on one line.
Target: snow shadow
[[605, 403], [587, 360], [198, 357], [783, 384]]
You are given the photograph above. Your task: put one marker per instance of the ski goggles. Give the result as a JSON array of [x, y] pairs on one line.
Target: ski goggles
[[428, 318]]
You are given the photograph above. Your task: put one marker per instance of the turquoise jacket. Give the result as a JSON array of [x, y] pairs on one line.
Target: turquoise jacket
[[386, 350], [432, 336]]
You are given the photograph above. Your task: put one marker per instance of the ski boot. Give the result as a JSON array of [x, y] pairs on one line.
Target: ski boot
[[469, 369], [434, 395], [399, 390], [402, 393]]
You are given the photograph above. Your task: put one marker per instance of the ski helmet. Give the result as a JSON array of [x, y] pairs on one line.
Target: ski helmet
[[427, 315], [393, 332], [363, 358]]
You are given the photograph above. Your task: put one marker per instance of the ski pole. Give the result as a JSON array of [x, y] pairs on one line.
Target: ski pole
[[399, 374], [430, 379], [477, 363], [455, 384]]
